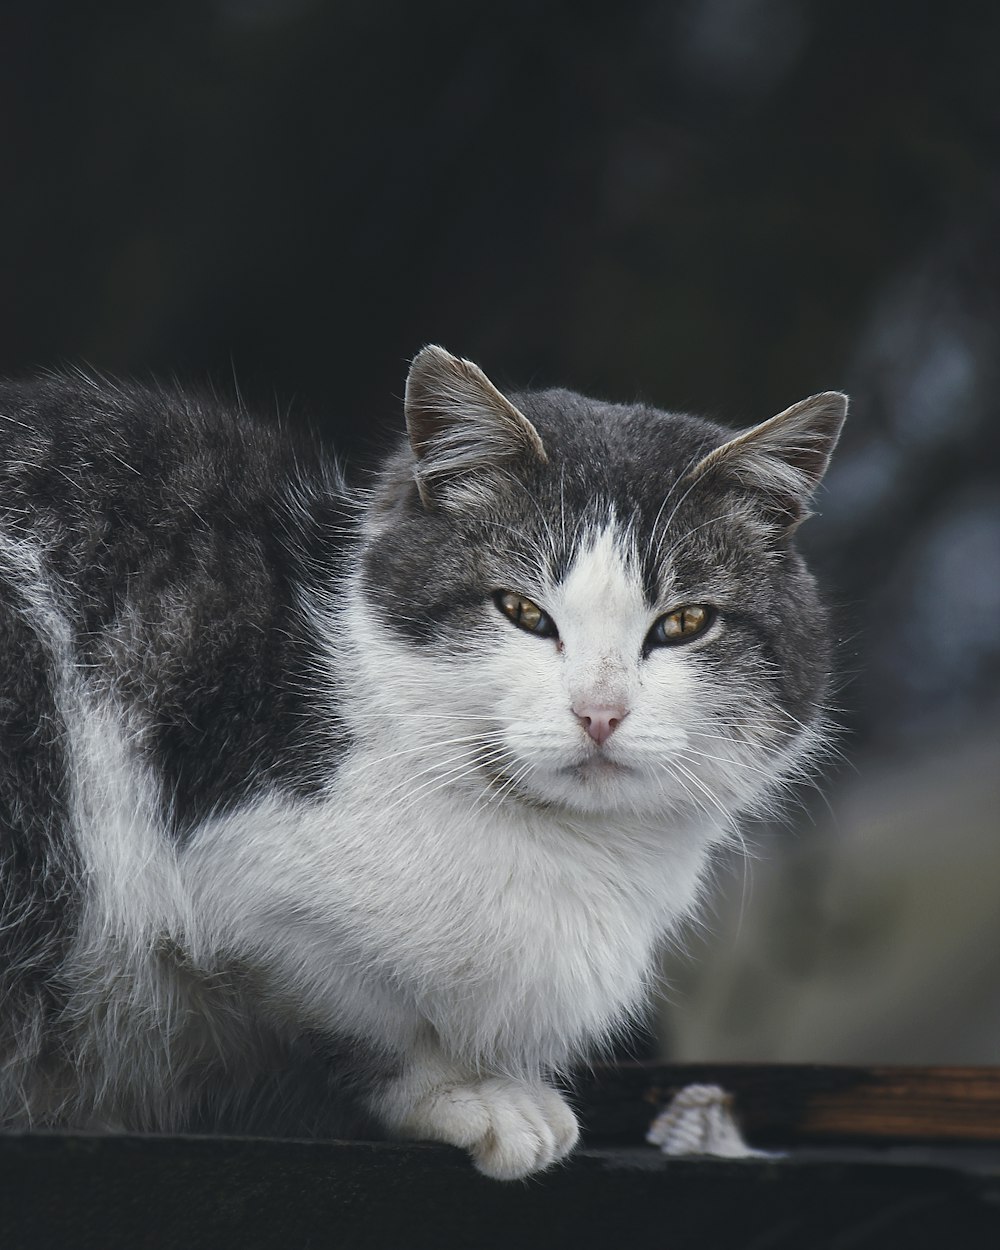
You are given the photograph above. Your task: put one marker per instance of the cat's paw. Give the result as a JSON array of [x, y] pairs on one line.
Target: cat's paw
[[511, 1129]]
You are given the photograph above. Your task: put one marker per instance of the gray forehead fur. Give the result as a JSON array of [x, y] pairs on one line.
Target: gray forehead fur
[[605, 462], [626, 456], [602, 459]]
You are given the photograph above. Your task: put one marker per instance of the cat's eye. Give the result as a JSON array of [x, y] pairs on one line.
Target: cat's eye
[[525, 614], [681, 625]]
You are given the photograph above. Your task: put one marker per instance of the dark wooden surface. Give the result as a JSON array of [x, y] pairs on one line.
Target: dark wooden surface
[[127, 1193], [923, 1173]]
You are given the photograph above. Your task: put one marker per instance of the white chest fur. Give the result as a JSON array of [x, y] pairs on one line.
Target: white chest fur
[[518, 935], [417, 894]]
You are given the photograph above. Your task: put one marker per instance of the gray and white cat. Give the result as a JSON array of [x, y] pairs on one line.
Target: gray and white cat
[[318, 805]]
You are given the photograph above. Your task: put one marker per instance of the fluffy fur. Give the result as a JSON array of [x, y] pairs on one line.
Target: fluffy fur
[[298, 831]]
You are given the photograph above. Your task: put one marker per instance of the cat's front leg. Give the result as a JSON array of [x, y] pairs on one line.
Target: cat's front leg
[[511, 1128]]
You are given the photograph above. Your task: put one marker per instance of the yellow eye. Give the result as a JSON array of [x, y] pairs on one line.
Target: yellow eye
[[681, 625], [525, 614]]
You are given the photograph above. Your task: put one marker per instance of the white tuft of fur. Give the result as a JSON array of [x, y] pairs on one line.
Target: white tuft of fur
[[700, 1121]]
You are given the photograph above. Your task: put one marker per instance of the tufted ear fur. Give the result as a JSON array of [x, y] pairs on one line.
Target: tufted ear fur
[[459, 424], [783, 458]]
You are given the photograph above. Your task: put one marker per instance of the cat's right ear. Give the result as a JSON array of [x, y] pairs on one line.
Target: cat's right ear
[[460, 426], [782, 459]]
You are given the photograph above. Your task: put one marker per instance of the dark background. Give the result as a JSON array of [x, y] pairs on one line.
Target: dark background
[[720, 205]]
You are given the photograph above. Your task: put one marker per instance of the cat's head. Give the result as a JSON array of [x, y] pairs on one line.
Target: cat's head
[[594, 605]]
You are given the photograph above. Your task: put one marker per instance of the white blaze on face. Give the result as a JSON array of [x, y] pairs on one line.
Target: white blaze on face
[[598, 669], [602, 616]]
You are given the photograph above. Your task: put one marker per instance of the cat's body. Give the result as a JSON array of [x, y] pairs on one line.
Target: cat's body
[[390, 801]]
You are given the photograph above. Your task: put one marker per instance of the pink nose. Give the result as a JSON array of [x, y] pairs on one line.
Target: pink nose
[[600, 722]]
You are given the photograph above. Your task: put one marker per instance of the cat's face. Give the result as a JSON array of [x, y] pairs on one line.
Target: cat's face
[[599, 607], [616, 706]]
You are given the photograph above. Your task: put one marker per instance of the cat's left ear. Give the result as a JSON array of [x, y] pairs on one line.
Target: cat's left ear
[[460, 425], [783, 458]]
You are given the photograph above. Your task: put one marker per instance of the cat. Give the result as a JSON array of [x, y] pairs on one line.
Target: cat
[[327, 807]]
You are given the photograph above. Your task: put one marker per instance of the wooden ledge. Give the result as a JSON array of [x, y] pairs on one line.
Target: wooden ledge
[[790, 1104], [939, 1187]]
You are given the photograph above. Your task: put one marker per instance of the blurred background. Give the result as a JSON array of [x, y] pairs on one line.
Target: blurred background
[[716, 205]]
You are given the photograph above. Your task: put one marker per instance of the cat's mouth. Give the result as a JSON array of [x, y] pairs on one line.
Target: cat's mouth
[[594, 777], [597, 766]]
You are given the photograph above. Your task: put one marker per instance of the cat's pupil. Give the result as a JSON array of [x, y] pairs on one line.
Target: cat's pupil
[[525, 614]]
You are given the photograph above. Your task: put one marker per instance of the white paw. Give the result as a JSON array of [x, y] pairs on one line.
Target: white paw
[[510, 1129]]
